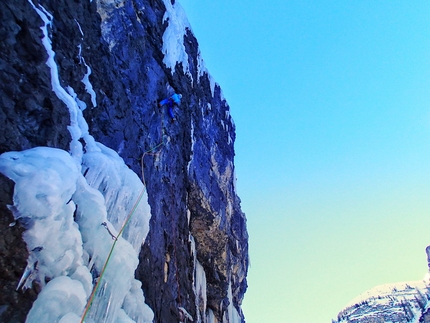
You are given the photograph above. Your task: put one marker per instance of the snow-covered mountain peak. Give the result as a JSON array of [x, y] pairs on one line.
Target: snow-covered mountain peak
[[405, 302]]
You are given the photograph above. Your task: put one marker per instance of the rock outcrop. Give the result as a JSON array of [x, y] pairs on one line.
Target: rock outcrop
[[122, 48]]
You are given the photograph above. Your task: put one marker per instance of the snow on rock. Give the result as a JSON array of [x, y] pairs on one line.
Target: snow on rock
[[173, 38], [385, 290], [203, 70], [395, 303], [173, 43]]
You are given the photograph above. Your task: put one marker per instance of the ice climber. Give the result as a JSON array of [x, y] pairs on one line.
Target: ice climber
[[174, 100]]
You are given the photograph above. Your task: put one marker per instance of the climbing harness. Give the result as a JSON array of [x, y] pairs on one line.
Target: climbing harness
[[174, 100]]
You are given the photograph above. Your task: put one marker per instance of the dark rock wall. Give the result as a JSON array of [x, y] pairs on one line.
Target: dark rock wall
[[189, 176]]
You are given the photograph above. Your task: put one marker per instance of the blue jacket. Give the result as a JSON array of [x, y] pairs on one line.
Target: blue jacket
[[176, 98]]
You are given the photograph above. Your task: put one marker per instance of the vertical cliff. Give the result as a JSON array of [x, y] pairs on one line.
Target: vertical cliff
[[116, 60]]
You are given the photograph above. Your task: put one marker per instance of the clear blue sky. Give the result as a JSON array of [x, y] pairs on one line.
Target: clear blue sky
[[331, 101]]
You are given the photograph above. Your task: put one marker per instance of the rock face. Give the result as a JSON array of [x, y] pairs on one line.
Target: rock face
[[197, 229]]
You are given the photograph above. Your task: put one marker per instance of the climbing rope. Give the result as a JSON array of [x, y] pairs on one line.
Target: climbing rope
[[151, 152], [91, 299], [129, 216], [156, 150]]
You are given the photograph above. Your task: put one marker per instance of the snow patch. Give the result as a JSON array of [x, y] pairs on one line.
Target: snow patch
[[401, 302], [173, 43], [173, 37], [386, 289]]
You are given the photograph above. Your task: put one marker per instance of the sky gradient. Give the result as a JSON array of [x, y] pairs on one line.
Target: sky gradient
[[331, 101]]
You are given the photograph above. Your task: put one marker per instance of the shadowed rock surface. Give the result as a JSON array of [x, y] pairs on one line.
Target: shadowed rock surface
[[190, 180]]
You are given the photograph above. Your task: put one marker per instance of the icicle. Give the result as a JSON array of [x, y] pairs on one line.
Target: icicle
[[121, 188], [86, 79], [79, 26], [199, 282], [233, 315], [28, 275], [184, 315], [88, 85], [210, 318]]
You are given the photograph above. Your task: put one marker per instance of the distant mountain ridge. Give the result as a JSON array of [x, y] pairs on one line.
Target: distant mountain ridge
[[394, 303], [405, 302]]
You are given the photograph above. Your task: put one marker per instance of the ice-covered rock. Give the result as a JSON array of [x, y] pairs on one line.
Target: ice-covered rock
[[85, 78]]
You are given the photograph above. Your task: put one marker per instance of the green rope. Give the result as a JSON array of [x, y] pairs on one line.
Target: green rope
[[90, 301], [132, 211]]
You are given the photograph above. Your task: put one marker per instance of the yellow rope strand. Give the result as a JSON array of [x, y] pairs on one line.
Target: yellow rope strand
[[91, 299], [96, 287]]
